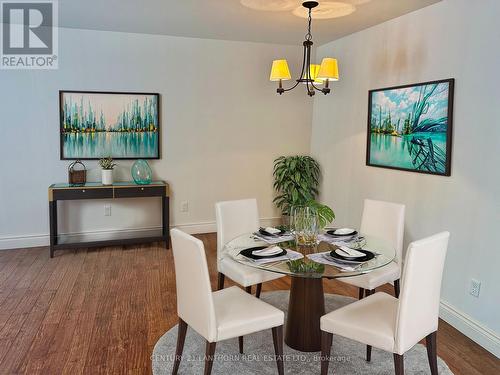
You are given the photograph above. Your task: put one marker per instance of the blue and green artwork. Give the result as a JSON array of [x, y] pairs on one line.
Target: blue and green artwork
[[101, 124], [409, 127]]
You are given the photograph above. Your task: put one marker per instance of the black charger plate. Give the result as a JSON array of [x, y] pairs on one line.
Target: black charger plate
[[331, 232], [248, 253], [264, 233], [368, 256]]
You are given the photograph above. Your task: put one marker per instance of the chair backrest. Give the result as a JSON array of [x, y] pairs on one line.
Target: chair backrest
[[418, 311], [194, 294], [385, 220], [235, 218]]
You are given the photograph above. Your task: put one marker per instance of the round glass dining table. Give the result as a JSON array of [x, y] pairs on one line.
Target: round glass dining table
[[308, 266]]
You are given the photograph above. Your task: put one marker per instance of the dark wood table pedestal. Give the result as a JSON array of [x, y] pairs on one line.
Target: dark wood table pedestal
[[305, 308]]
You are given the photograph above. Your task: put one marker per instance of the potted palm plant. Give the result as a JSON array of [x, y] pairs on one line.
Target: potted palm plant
[[107, 166], [296, 182]]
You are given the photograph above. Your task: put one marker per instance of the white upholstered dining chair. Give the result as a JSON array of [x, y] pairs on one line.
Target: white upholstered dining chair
[[393, 325], [235, 218], [384, 220], [219, 315]]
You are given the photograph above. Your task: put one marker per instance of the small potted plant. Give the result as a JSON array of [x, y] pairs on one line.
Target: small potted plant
[[107, 166]]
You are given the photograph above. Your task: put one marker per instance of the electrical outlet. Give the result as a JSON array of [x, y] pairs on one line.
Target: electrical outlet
[[107, 210], [184, 206], [475, 287]]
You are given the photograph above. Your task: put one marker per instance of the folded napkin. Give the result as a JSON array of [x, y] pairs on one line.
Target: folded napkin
[[272, 230], [270, 250], [337, 241], [346, 251], [290, 255], [325, 258], [274, 239]]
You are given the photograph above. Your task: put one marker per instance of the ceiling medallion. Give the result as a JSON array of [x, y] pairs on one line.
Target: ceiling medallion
[[328, 8], [312, 75]]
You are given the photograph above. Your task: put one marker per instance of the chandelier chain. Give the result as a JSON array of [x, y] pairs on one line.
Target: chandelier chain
[[309, 20]]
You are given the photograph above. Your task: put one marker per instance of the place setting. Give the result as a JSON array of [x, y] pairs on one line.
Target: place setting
[[269, 254], [273, 235], [343, 257], [340, 236]]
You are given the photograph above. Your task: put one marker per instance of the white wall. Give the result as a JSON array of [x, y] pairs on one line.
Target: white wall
[[222, 126], [454, 38]]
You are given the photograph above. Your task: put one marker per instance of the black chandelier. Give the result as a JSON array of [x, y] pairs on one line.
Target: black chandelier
[[312, 75]]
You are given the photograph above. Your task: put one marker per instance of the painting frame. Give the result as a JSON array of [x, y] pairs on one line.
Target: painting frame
[[449, 128], [62, 156]]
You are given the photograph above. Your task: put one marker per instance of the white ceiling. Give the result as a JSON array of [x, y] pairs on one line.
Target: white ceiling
[[224, 19]]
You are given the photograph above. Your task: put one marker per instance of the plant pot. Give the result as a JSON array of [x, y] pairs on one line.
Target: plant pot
[[107, 177]]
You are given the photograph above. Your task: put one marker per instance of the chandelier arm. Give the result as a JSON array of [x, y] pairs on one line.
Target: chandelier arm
[[317, 88], [301, 73]]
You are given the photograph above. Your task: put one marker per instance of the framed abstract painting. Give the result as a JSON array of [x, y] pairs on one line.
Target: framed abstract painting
[[121, 125], [410, 127]]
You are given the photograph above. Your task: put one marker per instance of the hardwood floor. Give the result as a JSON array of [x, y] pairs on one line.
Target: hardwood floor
[[102, 310]]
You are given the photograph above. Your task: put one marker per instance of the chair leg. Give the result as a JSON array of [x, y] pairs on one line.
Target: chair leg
[[368, 353], [430, 342], [209, 357], [396, 288], [369, 292], [259, 290], [220, 281], [326, 347], [399, 364], [181, 336], [278, 348], [361, 293], [248, 289], [240, 344]]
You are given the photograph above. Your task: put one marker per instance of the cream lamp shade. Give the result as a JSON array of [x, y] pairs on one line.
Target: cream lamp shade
[[280, 71], [328, 70], [313, 71]]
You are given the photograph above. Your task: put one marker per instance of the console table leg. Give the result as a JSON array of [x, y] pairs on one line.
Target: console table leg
[[52, 226], [165, 220]]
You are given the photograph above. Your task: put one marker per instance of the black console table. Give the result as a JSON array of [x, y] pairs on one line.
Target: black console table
[[94, 190]]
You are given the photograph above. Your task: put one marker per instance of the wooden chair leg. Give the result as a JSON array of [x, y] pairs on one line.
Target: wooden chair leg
[[181, 336], [240, 344], [220, 281], [399, 364], [278, 348], [430, 342], [248, 289], [361, 293], [326, 347], [209, 357], [368, 353], [259, 290], [396, 288]]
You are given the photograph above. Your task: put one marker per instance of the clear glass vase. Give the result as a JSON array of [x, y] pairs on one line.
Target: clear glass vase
[[305, 224], [141, 172]]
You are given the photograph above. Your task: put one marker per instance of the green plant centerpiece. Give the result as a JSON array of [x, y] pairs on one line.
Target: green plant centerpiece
[[107, 165], [296, 182]]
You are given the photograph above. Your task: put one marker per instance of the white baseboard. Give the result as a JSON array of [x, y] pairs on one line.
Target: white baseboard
[[471, 328], [35, 240]]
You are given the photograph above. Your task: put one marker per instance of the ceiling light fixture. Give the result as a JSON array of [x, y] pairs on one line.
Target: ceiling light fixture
[[311, 74]]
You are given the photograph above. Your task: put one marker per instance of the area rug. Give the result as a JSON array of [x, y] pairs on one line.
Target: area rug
[[348, 356]]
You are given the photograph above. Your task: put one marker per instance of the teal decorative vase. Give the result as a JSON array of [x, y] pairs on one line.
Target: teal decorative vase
[[141, 172]]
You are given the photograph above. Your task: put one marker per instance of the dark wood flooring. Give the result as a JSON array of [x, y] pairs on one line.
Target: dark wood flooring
[[102, 310]]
